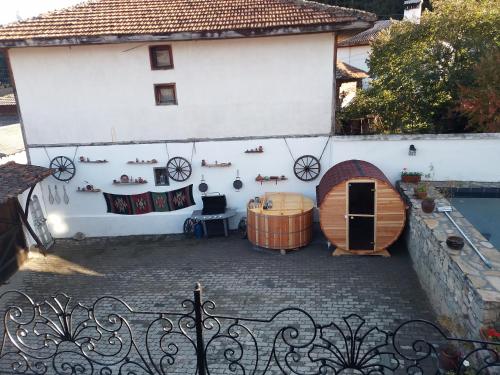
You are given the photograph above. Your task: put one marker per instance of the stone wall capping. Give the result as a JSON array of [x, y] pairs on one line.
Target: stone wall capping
[[457, 282]]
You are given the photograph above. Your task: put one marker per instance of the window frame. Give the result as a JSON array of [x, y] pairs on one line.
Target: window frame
[[158, 87], [152, 57]]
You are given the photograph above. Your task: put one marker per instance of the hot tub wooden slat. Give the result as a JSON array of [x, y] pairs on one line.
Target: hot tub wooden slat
[[287, 225]]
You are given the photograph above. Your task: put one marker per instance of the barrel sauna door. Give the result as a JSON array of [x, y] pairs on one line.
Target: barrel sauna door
[[361, 215]]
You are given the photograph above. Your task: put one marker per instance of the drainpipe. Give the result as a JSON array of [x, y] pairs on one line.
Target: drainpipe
[[334, 85], [13, 83]]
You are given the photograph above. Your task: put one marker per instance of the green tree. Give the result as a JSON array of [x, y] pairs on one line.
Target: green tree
[[480, 102], [417, 70], [384, 9]]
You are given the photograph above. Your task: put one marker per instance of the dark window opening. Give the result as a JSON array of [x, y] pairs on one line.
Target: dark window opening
[[161, 57], [165, 94]]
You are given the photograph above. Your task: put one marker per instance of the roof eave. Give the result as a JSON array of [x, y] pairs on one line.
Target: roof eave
[[183, 36], [360, 44]]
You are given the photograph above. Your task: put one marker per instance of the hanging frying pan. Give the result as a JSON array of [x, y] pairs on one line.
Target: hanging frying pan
[[203, 187], [237, 184]]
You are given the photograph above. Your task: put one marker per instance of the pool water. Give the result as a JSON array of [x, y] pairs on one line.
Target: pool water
[[483, 213]]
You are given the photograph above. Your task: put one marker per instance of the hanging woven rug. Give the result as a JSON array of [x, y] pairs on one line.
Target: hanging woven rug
[[138, 204]]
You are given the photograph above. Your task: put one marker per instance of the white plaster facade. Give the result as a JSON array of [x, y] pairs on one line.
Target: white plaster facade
[[452, 157], [413, 10], [242, 88], [356, 56], [225, 88]]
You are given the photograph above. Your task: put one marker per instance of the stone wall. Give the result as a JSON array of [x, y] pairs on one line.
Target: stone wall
[[459, 285]]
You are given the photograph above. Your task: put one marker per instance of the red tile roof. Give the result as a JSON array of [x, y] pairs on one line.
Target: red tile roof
[[163, 17], [16, 178], [346, 72], [344, 171], [364, 38], [8, 99]]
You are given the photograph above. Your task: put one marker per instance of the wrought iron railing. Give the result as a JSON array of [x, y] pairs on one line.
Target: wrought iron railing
[[59, 336]]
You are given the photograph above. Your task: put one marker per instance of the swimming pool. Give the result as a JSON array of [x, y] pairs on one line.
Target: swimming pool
[[483, 213]]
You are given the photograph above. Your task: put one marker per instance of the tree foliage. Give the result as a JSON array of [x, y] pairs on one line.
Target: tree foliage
[[421, 72], [480, 102], [385, 9]]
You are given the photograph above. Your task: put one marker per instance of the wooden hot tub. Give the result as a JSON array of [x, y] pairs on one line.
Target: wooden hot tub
[[287, 225]]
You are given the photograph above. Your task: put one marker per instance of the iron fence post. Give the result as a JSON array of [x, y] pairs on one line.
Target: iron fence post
[[198, 316]]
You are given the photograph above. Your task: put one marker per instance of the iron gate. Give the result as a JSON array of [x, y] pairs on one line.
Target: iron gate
[[59, 336]]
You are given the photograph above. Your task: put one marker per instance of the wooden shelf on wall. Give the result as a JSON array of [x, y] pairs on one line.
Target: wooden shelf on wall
[[94, 161], [258, 150], [274, 179], [152, 161], [129, 183], [215, 165]]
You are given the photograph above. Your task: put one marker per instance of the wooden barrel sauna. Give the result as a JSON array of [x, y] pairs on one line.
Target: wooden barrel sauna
[[287, 225], [360, 212]]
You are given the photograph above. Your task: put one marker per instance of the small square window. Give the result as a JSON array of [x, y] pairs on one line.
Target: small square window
[[161, 57], [165, 94]]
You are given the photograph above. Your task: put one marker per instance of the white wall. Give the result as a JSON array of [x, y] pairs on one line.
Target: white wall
[[413, 14], [461, 157], [356, 56], [19, 158], [225, 88]]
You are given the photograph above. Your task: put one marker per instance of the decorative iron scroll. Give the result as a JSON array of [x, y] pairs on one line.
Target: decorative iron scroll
[[60, 336]]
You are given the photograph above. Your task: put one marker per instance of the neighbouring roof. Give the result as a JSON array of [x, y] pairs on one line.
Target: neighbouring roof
[[345, 171], [365, 37], [346, 72], [98, 18], [412, 2], [16, 178], [8, 99]]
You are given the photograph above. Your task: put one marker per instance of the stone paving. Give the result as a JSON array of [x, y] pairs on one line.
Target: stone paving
[[158, 273]]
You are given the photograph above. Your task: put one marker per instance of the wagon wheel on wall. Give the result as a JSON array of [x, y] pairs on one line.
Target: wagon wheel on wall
[[307, 168], [179, 169], [64, 168]]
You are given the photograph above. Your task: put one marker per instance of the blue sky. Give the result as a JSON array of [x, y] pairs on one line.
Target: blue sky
[[10, 10]]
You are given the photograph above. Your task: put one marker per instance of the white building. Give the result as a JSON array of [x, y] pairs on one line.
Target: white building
[[123, 80], [355, 50]]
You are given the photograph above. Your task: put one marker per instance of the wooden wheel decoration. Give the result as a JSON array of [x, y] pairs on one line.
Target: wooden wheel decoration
[[179, 169], [307, 168], [64, 168]]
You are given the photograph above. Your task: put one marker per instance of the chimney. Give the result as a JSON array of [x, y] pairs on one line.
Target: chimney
[[413, 10]]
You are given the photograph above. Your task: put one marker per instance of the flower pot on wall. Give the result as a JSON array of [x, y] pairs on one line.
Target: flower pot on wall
[[411, 179], [455, 242], [421, 194], [428, 205]]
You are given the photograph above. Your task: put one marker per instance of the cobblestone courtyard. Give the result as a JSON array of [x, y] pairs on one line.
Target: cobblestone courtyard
[[158, 274], [241, 279]]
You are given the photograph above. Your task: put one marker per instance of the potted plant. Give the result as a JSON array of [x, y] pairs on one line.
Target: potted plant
[[491, 334], [428, 205], [410, 177], [449, 358], [421, 191]]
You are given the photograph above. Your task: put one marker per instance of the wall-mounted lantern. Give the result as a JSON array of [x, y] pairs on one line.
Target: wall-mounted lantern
[[412, 151]]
